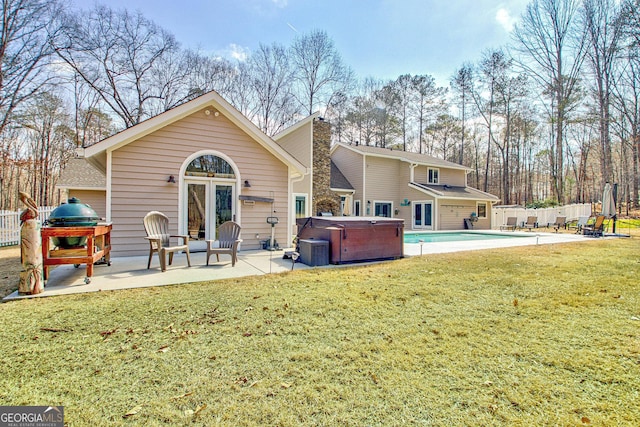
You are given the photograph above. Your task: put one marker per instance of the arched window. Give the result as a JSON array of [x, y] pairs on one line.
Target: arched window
[[210, 166]]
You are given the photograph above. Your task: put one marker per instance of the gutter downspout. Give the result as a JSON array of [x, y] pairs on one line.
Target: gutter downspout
[[292, 212]]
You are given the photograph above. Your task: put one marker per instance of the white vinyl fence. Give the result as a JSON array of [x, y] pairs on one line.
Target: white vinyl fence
[[10, 225], [545, 216]]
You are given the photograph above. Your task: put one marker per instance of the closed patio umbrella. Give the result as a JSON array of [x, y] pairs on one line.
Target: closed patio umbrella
[[346, 209], [609, 204]]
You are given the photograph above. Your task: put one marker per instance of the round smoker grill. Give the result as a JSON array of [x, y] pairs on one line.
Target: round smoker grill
[[72, 214]]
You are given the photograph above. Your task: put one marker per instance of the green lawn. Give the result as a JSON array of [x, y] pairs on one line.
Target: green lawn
[[531, 336]]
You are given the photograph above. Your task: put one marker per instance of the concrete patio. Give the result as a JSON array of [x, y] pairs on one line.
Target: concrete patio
[[131, 272]]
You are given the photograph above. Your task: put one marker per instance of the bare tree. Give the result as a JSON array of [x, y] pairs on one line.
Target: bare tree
[[551, 48], [26, 30], [462, 84], [402, 86], [604, 24], [319, 70], [444, 132], [271, 79], [360, 121], [492, 72], [386, 116], [51, 142], [428, 102], [120, 55], [511, 94]]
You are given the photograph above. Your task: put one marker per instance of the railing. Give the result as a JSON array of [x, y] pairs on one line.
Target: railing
[[545, 216], [10, 225]]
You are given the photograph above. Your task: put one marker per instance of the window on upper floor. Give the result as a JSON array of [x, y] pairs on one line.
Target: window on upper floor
[[433, 176]]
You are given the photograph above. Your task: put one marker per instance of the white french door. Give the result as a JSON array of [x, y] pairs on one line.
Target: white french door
[[208, 203], [423, 215]]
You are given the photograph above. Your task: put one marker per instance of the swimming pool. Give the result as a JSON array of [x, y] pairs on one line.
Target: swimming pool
[[453, 236]]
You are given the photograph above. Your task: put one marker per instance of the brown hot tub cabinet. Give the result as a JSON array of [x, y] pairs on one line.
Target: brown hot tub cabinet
[[356, 238]]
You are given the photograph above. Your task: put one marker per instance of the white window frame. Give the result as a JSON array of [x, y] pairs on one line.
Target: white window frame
[[381, 202], [430, 174], [422, 226], [306, 204], [486, 209]]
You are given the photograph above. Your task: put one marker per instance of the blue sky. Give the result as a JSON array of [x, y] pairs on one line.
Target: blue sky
[[376, 38]]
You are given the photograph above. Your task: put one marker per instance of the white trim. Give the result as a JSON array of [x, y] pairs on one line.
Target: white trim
[[478, 195], [364, 184], [486, 209], [373, 206], [413, 212], [78, 187], [181, 185], [342, 190], [306, 203], [211, 99], [296, 126], [429, 181], [108, 204], [397, 155]]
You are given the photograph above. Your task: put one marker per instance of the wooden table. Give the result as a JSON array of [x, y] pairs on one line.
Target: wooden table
[[98, 246]]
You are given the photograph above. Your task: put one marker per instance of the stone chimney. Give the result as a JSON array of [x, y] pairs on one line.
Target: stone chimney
[[324, 200]]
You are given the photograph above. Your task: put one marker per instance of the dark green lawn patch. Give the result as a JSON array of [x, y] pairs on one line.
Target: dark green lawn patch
[[544, 335]]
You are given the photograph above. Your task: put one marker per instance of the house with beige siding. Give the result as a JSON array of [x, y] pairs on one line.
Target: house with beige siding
[[201, 163], [204, 163], [427, 192]]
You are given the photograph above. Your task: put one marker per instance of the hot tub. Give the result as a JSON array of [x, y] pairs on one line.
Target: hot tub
[[355, 238]]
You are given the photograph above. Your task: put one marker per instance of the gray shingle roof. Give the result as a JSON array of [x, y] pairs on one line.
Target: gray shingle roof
[[78, 173], [451, 192], [404, 155], [338, 180]]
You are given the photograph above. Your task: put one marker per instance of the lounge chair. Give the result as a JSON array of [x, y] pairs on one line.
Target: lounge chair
[[596, 229], [561, 222], [531, 223], [512, 223], [581, 222], [156, 224], [228, 242]]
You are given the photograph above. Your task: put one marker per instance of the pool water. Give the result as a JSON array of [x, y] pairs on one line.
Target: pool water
[[454, 236]]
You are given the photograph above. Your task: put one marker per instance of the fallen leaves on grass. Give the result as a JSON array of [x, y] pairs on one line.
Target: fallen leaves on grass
[[56, 330], [189, 393], [132, 411], [105, 334]]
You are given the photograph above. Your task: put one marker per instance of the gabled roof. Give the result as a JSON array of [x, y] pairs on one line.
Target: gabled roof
[[296, 126], [338, 180], [79, 174], [452, 192], [96, 153], [405, 156]]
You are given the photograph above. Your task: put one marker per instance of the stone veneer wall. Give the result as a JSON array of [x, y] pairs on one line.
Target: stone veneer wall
[[324, 200]]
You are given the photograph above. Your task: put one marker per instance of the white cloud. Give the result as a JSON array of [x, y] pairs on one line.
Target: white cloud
[[238, 52], [280, 3], [504, 18]]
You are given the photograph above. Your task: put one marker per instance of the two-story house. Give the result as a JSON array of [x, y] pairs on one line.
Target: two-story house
[[427, 192], [203, 163]]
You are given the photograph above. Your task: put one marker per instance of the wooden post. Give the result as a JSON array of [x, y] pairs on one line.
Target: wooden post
[[31, 280]]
